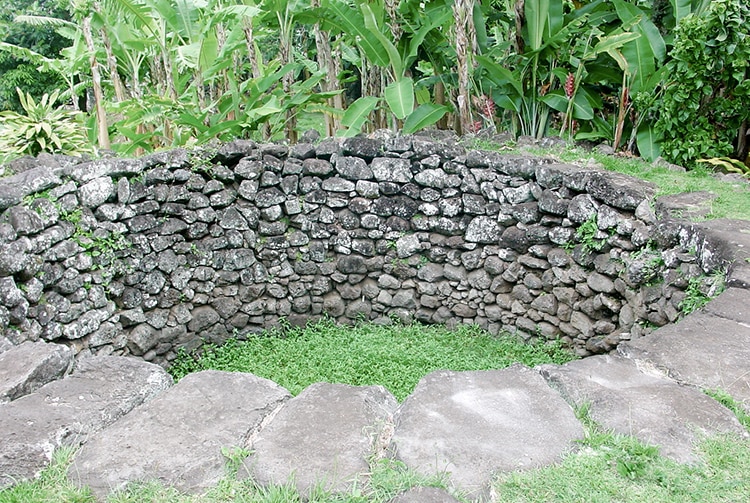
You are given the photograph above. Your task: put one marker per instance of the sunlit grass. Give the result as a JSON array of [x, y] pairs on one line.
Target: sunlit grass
[[393, 356]]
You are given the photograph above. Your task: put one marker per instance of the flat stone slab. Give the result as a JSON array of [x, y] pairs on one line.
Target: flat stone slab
[[65, 412], [178, 437], [31, 365], [424, 495], [654, 409], [702, 350], [720, 243], [733, 304], [323, 437], [474, 424]]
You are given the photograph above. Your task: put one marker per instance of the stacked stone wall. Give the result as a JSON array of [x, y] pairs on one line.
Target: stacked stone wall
[[145, 256]]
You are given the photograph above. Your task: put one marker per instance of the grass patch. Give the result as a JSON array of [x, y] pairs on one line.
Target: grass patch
[[614, 468], [51, 486], [730, 403], [619, 468], [393, 356]]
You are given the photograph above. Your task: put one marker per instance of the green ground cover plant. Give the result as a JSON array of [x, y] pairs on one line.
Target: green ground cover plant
[[394, 356]]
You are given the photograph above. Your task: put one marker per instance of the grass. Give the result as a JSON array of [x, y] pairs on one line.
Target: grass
[[393, 356], [732, 197]]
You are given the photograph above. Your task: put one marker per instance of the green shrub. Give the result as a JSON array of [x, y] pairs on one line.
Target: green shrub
[[44, 128], [705, 100]]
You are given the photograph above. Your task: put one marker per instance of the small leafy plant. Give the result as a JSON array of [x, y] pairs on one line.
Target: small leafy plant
[[587, 235], [700, 290], [44, 128]]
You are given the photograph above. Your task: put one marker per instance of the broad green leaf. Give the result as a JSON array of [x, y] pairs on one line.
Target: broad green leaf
[[649, 143], [629, 13], [499, 75], [424, 116], [400, 97], [554, 18], [613, 42], [417, 38], [506, 102], [272, 106], [536, 12], [680, 9], [620, 59], [641, 63], [356, 115], [351, 22], [393, 56], [582, 109], [423, 95]]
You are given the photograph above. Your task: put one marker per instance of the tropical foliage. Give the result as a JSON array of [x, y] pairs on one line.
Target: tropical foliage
[[633, 73], [43, 127]]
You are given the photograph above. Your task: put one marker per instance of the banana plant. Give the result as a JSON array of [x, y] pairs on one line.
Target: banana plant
[[366, 28]]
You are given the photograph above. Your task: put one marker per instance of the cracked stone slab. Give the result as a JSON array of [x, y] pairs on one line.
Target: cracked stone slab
[[472, 425], [31, 365], [654, 409], [702, 350], [324, 436], [65, 412], [178, 437]]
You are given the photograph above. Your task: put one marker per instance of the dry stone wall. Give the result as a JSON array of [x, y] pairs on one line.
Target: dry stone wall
[[145, 256]]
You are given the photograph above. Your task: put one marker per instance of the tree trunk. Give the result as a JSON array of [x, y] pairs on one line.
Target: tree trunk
[[265, 129], [327, 63], [286, 55], [96, 80], [463, 43], [114, 74]]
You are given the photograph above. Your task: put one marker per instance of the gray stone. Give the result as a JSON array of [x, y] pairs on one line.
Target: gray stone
[[204, 317], [323, 437], [702, 350], [424, 495], [178, 437], [68, 411], [353, 168], [391, 170], [655, 410], [113, 168], [472, 425], [407, 246], [600, 283], [619, 190], [483, 230], [582, 207], [15, 188], [24, 220], [31, 365]]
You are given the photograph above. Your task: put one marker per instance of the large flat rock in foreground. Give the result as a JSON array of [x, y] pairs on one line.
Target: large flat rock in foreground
[[67, 411], [474, 424], [654, 409], [703, 350], [31, 365], [178, 437], [323, 437]]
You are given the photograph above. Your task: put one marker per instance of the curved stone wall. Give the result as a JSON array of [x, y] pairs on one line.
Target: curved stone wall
[[144, 256]]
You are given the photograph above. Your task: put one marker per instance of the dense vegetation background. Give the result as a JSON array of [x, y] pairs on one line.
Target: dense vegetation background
[[659, 77]]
